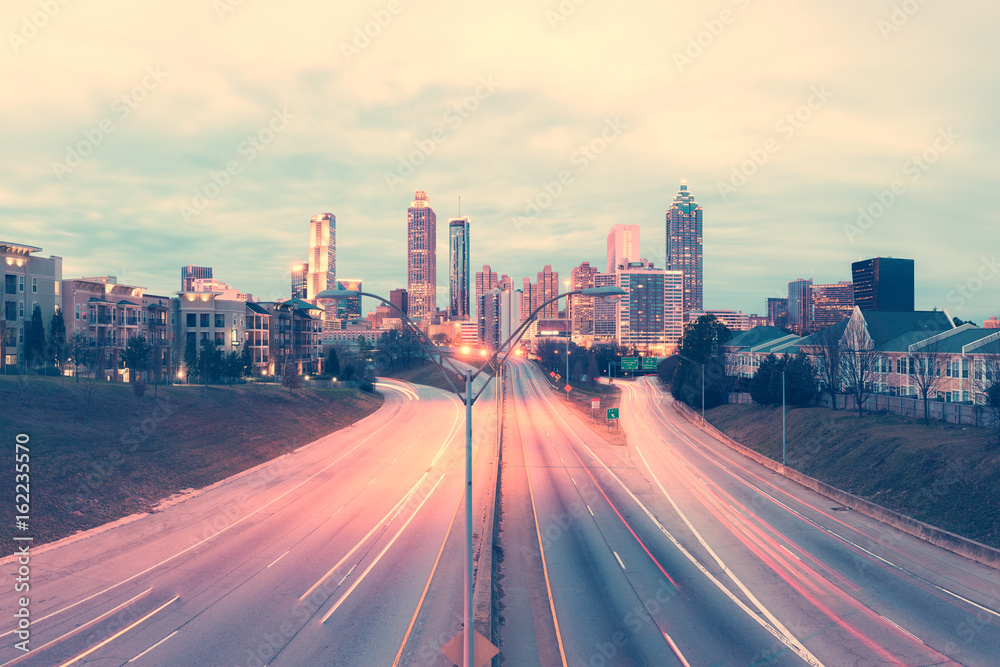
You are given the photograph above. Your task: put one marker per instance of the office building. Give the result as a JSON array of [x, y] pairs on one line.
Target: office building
[[777, 312], [29, 280], [800, 305], [190, 273], [685, 246], [322, 265], [499, 316], [398, 298], [581, 308], [623, 246], [349, 308], [884, 283], [485, 281], [299, 276], [605, 314], [546, 287], [831, 304], [651, 314], [421, 262], [458, 256]]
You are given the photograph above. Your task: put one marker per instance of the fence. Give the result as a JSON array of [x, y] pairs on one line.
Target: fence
[[952, 413]]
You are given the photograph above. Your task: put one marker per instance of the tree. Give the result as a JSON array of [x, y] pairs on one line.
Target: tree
[[828, 350], [441, 339], [365, 350], [57, 339], [760, 383], [861, 363], [78, 352], [700, 344], [332, 364], [136, 356], [191, 358], [290, 377], [927, 370], [211, 362], [34, 338], [800, 381], [246, 362]]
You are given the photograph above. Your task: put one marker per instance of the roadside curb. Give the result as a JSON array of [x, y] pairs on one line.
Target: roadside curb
[[957, 544]]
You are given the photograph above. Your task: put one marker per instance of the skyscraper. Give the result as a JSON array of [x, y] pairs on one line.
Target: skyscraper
[[485, 281], [322, 265], [546, 288], [458, 255], [349, 308], [684, 246], [605, 314], [800, 305], [884, 283], [651, 312], [299, 274], [190, 273], [777, 312], [623, 246], [831, 303], [397, 297], [421, 258], [581, 308]]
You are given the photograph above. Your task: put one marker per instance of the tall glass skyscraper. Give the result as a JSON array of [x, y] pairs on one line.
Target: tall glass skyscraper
[[685, 246], [322, 254], [421, 257], [458, 252]]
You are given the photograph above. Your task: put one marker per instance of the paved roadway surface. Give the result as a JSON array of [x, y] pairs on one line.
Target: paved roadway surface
[[345, 552], [676, 550]]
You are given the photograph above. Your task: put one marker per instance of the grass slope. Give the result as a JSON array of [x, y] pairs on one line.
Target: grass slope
[[92, 466], [943, 474]]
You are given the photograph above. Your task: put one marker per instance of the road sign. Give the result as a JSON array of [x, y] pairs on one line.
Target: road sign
[[552, 374], [558, 377], [568, 388], [630, 363], [482, 649], [612, 413], [649, 363], [595, 404]]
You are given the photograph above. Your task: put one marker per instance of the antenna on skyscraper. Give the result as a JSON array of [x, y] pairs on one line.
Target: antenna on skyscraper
[[460, 206]]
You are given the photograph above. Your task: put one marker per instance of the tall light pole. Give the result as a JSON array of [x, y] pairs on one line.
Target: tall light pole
[[783, 414], [608, 293], [569, 334], [702, 385]]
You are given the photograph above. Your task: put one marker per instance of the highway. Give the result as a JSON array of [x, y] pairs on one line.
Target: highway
[[676, 550], [347, 551]]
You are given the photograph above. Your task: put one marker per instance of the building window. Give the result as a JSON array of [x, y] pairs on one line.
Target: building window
[[219, 339], [20, 309], [220, 321], [34, 285], [55, 286], [192, 320], [204, 320], [77, 311], [20, 283]]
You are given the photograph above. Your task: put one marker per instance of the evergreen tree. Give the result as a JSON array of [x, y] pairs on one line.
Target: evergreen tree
[[332, 362], [246, 362], [34, 338], [191, 359], [57, 339]]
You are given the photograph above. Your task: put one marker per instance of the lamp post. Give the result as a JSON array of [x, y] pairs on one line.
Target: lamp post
[[702, 385], [569, 334], [783, 414], [608, 293]]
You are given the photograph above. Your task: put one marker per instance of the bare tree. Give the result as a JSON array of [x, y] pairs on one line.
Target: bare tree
[[926, 369], [986, 381], [861, 363], [828, 349]]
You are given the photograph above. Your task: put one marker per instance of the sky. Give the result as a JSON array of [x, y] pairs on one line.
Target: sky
[[141, 137]]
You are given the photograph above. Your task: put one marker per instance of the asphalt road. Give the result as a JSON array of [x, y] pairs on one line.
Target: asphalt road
[[348, 551], [676, 550]]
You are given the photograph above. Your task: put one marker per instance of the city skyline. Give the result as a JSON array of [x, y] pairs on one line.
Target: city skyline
[[834, 154]]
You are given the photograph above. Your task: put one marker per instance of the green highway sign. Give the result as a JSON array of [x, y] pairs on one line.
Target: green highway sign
[[612, 413], [649, 363], [630, 363]]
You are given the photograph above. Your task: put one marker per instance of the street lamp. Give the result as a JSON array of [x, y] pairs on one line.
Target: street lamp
[[783, 413], [568, 335], [702, 385], [609, 293]]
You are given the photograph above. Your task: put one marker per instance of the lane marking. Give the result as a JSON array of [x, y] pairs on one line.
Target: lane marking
[[591, 511], [119, 633], [381, 553], [677, 651], [80, 628], [619, 558], [277, 559], [230, 526], [154, 646]]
